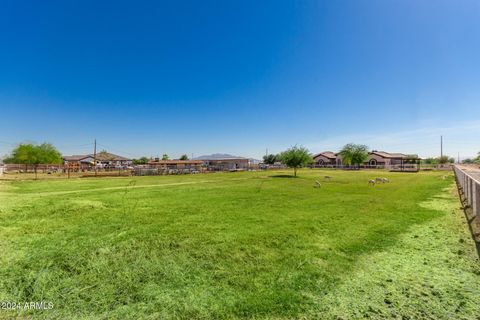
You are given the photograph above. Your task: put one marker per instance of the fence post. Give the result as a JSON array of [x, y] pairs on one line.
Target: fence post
[[470, 191], [476, 200]]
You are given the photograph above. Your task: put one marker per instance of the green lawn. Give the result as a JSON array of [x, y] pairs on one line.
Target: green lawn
[[239, 245]]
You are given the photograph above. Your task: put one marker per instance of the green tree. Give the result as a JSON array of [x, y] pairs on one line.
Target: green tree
[[142, 160], [270, 158], [184, 157], [430, 161], [468, 161], [34, 155], [354, 154], [296, 157], [104, 155], [165, 157], [21, 154], [443, 160]]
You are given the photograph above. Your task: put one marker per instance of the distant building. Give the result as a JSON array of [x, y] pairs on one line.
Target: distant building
[[326, 158], [78, 160], [192, 165], [110, 159], [224, 162], [253, 161], [377, 159], [382, 158], [103, 159], [394, 161]]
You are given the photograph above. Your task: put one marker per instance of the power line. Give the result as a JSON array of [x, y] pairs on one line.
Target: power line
[[75, 146], [116, 150]]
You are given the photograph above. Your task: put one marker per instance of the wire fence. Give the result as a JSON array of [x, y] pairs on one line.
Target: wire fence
[[85, 170], [54, 168]]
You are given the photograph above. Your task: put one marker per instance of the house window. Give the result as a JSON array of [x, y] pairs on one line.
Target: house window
[[373, 162]]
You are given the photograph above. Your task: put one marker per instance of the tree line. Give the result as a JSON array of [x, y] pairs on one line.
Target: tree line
[[146, 160], [294, 157], [472, 160]]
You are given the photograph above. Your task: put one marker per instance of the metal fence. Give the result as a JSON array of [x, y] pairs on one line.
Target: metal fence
[[469, 190]]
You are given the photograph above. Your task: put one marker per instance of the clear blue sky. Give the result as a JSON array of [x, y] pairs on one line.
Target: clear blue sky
[[200, 77]]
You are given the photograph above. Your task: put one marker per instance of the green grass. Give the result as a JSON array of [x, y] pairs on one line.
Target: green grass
[[239, 245]]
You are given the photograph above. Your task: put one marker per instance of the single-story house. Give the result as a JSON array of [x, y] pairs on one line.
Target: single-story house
[[224, 162], [382, 158], [326, 158], [392, 161], [102, 159], [78, 160], [110, 159]]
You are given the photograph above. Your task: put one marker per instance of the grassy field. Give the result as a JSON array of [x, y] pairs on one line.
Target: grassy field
[[239, 245]]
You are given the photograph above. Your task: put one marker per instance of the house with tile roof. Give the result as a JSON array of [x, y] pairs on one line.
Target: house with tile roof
[[376, 159], [326, 158]]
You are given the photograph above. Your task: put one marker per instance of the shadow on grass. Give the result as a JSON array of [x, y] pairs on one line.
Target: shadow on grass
[[283, 176]]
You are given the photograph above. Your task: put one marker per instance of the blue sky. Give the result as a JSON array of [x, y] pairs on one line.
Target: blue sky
[[147, 78]]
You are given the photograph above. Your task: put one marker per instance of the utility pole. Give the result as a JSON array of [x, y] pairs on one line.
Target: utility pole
[[441, 146], [458, 158], [95, 156], [266, 151]]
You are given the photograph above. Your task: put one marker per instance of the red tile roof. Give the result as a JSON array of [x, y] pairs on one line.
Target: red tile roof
[[327, 154]]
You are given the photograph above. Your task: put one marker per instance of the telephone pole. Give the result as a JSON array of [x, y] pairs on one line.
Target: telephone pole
[[95, 156], [441, 146]]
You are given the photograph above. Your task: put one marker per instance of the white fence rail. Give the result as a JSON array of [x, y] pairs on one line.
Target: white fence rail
[[469, 190]]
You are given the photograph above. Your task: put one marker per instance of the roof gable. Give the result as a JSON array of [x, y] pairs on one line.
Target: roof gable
[[326, 154]]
